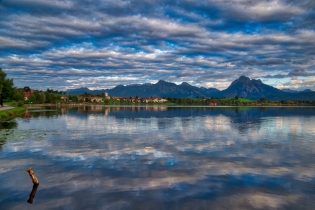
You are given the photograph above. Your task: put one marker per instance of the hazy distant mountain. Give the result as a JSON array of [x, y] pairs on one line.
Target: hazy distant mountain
[[300, 96], [82, 90], [161, 89], [307, 90], [242, 87], [287, 90], [296, 91], [209, 92], [79, 91]]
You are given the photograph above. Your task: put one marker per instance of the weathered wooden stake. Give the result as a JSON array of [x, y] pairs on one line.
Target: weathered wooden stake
[[32, 175], [33, 193]]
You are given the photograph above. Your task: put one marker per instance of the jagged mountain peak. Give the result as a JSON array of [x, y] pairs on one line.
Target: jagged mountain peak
[[288, 90], [257, 81], [241, 79], [307, 90], [247, 88], [162, 82], [244, 78], [81, 88], [185, 84]]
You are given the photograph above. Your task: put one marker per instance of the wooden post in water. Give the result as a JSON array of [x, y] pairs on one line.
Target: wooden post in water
[[32, 175], [33, 193]]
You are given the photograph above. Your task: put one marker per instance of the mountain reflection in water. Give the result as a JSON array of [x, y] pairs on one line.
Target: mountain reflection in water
[[96, 157]]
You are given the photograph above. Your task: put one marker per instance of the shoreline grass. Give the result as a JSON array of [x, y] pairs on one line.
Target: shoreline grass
[[10, 113]]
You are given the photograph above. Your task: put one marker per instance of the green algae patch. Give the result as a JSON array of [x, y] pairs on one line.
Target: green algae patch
[[11, 135]]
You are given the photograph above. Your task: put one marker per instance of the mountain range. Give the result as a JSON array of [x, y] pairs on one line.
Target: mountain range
[[242, 87]]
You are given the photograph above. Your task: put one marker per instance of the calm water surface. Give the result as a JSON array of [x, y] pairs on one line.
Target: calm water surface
[[160, 158]]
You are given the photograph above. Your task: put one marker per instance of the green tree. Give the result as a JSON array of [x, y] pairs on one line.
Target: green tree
[[37, 97], [18, 95], [6, 86], [48, 97], [2, 78], [73, 98], [263, 100], [32, 98], [42, 97], [7, 89]]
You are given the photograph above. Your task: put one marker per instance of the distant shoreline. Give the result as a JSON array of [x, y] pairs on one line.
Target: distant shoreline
[[39, 106]]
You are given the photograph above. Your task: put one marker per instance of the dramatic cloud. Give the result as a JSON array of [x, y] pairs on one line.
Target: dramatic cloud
[[276, 76], [255, 62], [100, 44], [301, 72], [294, 73]]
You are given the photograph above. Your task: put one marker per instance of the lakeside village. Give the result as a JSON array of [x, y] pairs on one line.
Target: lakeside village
[[56, 97], [51, 96], [60, 97]]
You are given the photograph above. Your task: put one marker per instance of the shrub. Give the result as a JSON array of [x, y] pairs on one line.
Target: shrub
[[20, 104], [13, 103]]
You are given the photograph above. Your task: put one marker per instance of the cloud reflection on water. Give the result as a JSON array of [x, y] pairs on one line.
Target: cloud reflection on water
[[251, 160]]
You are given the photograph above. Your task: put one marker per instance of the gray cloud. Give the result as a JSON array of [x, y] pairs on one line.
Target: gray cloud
[[292, 73], [276, 76], [255, 62], [154, 40], [300, 72]]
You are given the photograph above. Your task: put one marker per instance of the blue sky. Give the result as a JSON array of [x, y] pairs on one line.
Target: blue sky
[[65, 44]]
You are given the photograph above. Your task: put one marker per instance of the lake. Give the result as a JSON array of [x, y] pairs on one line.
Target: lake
[[98, 157]]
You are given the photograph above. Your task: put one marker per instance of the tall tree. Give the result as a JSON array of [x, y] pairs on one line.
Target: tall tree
[[18, 94], [6, 86], [2, 78], [42, 97], [32, 98], [48, 97], [37, 97], [8, 89]]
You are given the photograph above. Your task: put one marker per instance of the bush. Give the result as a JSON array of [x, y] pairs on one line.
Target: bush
[[20, 104], [13, 103]]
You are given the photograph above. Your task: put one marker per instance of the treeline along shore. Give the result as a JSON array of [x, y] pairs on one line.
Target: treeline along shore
[[46, 98]]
